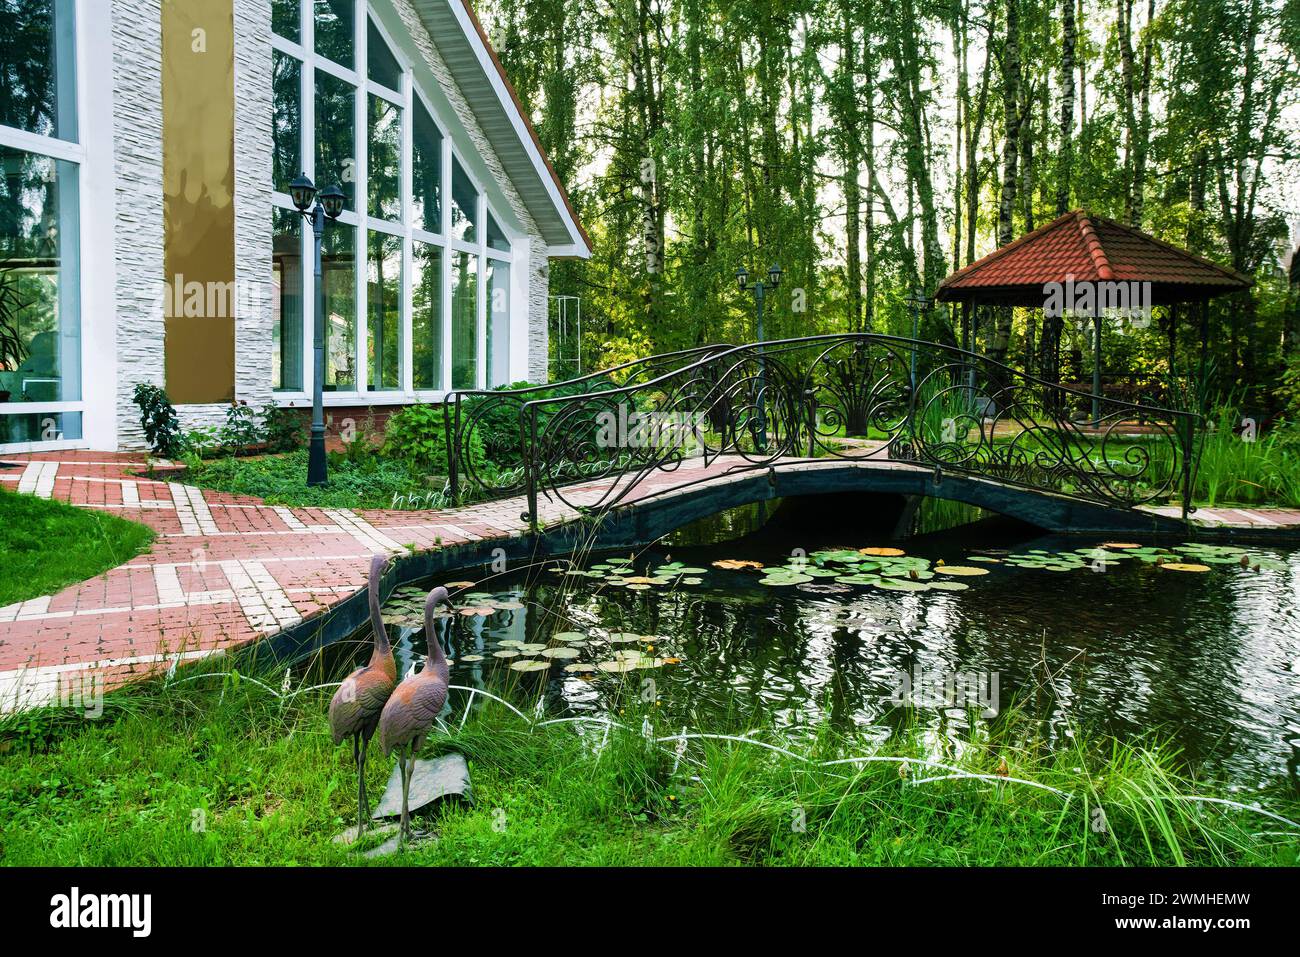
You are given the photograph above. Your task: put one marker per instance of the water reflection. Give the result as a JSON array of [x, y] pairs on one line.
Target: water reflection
[[1211, 660]]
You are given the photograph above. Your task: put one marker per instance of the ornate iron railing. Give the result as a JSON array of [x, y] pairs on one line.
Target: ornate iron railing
[[847, 397], [489, 418]]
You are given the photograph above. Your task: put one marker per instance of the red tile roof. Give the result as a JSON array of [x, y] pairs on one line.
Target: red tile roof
[[1087, 248]]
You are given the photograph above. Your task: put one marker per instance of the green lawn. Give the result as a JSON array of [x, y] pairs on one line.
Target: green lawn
[[47, 544], [222, 771]]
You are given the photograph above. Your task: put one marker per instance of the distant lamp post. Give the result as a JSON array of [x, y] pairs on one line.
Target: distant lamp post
[[917, 301], [316, 208], [760, 290]]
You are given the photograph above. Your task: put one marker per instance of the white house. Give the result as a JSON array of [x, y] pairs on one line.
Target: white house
[[147, 234]]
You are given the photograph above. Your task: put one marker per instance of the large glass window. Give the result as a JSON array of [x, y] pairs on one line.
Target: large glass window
[[498, 323], [426, 315], [339, 275], [335, 146], [426, 155], [286, 300], [286, 18], [464, 321], [38, 67], [335, 23], [444, 325], [385, 159], [39, 281], [286, 124], [382, 66], [464, 204], [384, 304]]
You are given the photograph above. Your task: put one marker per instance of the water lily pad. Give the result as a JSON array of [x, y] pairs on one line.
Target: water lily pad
[[506, 653], [987, 559], [530, 665], [736, 563], [859, 579], [531, 647], [508, 642], [620, 636], [901, 584], [961, 570], [562, 652], [509, 605], [945, 585], [580, 667], [637, 586], [481, 612], [471, 657], [454, 586], [617, 665], [692, 581], [1184, 567], [568, 636], [1121, 545], [784, 580]]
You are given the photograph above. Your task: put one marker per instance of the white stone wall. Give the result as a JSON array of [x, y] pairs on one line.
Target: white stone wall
[[137, 165], [137, 161]]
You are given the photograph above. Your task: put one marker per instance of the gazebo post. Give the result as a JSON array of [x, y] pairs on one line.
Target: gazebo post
[[1096, 366], [1205, 341]]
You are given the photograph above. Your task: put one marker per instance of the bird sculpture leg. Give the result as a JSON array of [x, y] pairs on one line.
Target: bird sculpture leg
[[361, 770], [361, 784], [407, 765]]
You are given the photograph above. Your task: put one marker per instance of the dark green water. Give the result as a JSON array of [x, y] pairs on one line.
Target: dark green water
[[1210, 660]]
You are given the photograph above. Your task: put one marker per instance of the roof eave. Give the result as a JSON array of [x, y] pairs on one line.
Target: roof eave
[[575, 243]]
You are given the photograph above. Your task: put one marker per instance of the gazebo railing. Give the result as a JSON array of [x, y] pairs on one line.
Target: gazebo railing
[[850, 397]]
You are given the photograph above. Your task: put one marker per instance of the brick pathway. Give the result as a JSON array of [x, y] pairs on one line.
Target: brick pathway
[[225, 569]]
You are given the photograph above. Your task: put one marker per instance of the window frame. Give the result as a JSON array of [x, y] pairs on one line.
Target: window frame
[[361, 218]]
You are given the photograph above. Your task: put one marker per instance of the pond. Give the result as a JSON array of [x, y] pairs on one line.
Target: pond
[[1198, 644]]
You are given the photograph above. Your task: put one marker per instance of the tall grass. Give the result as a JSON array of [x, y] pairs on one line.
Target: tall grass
[[219, 769], [1233, 470]]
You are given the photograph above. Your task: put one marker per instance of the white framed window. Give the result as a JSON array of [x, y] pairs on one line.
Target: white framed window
[[416, 270], [41, 159]]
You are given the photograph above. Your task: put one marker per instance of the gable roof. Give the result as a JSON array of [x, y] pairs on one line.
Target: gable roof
[[1087, 248], [460, 39]]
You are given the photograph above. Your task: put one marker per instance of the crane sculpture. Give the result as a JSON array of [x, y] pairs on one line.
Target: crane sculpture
[[414, 706], [356, 707]]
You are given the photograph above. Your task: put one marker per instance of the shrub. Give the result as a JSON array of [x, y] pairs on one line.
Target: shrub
[[416, 437], [282, 429], [158, 419], [241, 431]]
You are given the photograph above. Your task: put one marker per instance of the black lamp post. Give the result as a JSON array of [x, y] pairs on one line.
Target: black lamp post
[[329, 204], [774, 280]]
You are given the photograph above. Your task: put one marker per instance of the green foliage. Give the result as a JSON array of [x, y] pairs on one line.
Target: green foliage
[[282, 429], [241, 431], [162, 429], [48, 544], [1241, 467], [416, 437], [282, 480], [273, 790]]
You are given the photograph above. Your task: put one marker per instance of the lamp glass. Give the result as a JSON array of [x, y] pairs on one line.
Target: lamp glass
[[333, 198], [742, 276], [774, 274], [302, 191]]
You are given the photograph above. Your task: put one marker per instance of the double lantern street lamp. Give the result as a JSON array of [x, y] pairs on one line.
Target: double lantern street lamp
[[329, 204], [774, 280]]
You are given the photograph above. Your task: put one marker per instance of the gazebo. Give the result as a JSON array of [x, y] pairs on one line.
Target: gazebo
[[1082, 260]]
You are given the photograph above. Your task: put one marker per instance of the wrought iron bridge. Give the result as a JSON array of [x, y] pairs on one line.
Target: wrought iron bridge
[[590, 442]]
